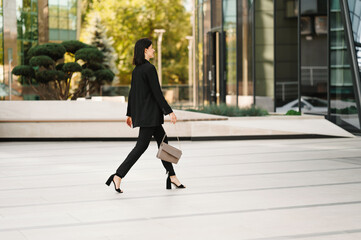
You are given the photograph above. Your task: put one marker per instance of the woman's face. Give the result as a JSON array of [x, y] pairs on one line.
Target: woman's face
[[149, 52]]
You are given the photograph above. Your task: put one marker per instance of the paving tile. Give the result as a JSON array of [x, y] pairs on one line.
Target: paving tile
[[274, 189]]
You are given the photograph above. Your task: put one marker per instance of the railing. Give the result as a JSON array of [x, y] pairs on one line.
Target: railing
[[312, 75], [287, 90]]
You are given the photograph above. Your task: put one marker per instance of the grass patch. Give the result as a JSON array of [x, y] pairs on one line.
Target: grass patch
[[230, 111]]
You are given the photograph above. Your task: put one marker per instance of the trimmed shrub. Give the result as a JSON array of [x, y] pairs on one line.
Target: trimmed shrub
[[89, 55], [71, 67], [24, 70], [72, 46], [54, 50], [42, 60], [231, 111]]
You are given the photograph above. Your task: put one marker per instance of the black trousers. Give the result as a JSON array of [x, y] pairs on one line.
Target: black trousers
[[145, 135]]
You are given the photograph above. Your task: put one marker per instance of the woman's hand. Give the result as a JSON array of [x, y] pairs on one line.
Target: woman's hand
[[129, 121], [173, 118]]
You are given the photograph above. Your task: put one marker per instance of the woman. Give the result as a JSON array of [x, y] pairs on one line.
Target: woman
[[146, 107]]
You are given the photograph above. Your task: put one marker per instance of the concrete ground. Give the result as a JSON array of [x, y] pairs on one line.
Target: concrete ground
[[261, 189]]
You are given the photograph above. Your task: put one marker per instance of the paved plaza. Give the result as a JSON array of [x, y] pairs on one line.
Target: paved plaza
[[261, 189]]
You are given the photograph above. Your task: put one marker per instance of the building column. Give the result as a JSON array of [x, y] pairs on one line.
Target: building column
[[43, 21], [10, 39]]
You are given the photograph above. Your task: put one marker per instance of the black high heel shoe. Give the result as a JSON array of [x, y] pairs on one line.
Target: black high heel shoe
[[111, 179], [169, 184]]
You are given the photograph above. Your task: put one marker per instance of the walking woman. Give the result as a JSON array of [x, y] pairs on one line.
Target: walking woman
[[146, 107]]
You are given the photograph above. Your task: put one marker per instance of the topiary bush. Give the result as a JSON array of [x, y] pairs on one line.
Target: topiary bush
[[53, 50], [50, 77], [72, 46]]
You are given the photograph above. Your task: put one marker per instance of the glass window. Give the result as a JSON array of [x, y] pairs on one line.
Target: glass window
[[1, 45], [230, 30], [27, 22], [314, 67], [62, 20], [286, 54], [343, 108], [264, 54]]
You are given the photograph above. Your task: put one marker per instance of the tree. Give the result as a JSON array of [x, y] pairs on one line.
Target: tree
[[128, 21], [95, 34], [50, 77]]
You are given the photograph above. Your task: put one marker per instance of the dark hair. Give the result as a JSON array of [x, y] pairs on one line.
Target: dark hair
[[139, 48]]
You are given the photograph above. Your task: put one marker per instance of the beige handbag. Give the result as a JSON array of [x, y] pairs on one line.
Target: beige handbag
[[169, 153]]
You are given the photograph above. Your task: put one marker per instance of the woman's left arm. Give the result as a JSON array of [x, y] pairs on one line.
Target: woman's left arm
[[152, 77], [129, 108]]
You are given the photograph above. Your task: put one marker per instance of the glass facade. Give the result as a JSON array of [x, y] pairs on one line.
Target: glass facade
[[283, 55], [245, 64], [26, 24], [199, 23], [230, 31], [1, 46], [227, 62], [62, 20], [206, 69], [313, 67], [27, 28], [343, 107], [286, 57], [264, 54]]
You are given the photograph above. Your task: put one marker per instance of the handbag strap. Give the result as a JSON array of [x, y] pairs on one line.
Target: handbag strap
[[164, 137], [177, 138]]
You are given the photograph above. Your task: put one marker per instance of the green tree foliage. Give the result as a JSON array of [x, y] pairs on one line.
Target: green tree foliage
[[50, 77], [128, 21], [72, 46], [95, 34], [54, 50]]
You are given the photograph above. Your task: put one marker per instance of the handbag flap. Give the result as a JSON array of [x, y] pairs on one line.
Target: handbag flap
[[171, 150]]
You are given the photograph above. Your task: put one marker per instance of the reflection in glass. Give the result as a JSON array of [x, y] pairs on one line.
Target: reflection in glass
[[62, 20], [314, 67], [286, 57], [342, 99], [200, 12], [355, 16], [27, 23], [205, 21], [1, 46], [247, 81], [27, 36], [229, 27]]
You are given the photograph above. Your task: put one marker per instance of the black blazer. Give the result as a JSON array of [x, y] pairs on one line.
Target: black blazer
[[146, 103]]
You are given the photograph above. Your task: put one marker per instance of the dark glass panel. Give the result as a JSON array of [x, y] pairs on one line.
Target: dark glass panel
[[314, 54], [286, 54], [230, 29], [343, 109]]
